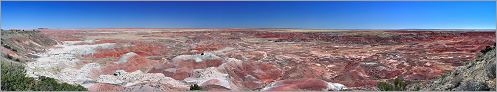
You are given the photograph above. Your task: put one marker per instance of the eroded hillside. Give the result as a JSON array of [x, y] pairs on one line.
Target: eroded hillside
[[21, 45]]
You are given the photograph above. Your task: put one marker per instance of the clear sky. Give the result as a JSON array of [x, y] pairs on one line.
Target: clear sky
[[316, 15]]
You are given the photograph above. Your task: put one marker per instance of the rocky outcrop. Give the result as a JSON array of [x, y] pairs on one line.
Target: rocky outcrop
[[477, 75]]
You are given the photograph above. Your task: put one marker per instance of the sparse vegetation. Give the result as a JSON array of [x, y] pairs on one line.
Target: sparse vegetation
[[398, 85], [488, 48], [14, 79], [195, 87]]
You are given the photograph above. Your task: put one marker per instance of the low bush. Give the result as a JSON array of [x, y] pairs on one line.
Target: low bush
[[14, 79], [397, 85], [195, 87]]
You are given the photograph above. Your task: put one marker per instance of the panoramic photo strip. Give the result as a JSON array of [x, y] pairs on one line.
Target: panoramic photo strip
[[149, 46]]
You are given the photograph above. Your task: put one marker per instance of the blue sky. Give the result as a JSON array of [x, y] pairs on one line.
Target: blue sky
[[316, 15]]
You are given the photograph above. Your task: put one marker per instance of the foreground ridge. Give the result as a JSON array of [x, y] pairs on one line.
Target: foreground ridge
[[477, 75]]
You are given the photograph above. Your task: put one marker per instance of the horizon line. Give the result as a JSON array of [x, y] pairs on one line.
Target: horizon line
[[270, 28]]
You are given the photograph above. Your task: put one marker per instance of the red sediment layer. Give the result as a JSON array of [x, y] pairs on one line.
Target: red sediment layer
[[133, 64]]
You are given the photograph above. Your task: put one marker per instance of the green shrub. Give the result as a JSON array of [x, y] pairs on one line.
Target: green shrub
[[398, 85], [14, 79], [384, 86], [195, 87]]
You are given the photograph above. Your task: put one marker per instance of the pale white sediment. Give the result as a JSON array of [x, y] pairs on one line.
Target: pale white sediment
[[126, 57], [126, 79], [60, 63], [200, 76], [196, 57], [330, 86], [336, 86], [88, 41]]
